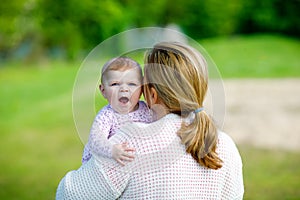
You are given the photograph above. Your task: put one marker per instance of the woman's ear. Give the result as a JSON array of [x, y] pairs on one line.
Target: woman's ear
[[102, 90], [153, 96]]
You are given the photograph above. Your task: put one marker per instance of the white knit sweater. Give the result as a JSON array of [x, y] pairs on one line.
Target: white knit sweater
[[161, 169]]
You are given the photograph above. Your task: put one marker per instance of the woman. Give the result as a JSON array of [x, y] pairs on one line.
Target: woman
[[181, 155]]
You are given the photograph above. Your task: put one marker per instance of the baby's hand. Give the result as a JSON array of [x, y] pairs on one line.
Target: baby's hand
[[121, 153]]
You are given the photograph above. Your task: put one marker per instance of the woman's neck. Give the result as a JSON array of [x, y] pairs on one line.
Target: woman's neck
[[159, 111]]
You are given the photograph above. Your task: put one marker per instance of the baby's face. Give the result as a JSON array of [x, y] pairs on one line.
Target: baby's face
[[122, 90]]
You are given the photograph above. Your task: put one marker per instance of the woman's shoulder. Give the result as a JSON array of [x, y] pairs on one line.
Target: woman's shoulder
[[164, 126], [225, 138], [226, 147], [232, 165]]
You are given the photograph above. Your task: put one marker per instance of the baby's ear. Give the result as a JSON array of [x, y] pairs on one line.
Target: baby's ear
[[102, 90]]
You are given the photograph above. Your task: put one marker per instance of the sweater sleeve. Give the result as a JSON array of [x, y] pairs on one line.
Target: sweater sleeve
[[98, 143], [93, 181]]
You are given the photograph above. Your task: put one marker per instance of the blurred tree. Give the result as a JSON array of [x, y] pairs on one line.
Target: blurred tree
[[277, 16], [146, 14], [36, 27], [14, 15], [74, 25], [211, 17]]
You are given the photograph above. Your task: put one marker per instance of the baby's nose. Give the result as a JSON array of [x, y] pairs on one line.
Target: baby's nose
[[124, 88]]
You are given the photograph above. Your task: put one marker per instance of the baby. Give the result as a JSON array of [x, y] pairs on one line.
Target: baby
[[121, 85]]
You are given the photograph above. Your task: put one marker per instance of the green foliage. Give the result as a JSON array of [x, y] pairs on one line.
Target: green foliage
[[271, 16], [211, 17], [37, 28], [13, 15], [147, 13], [74, 25]]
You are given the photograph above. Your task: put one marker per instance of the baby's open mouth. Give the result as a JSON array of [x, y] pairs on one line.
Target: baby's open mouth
[[123, 99]]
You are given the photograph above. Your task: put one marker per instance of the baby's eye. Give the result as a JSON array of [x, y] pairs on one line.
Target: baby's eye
[[114, 84], [132, 84]]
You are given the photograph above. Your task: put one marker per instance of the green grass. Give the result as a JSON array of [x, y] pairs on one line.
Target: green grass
[[270, 174], [259, 56], [39, 142], [38, 139]]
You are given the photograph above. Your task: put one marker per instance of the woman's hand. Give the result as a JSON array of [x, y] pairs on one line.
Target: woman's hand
[[121, 153]]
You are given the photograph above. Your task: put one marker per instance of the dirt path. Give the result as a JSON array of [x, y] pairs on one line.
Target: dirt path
[[264, 112]]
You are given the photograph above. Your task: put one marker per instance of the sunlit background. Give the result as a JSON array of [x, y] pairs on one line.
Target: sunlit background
[[255, 44]]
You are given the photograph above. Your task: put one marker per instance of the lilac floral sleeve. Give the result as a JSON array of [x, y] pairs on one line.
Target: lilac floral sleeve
[[106, 123], [99, 134]]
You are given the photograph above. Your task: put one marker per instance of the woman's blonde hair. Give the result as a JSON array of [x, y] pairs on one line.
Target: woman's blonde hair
[[179, 75]]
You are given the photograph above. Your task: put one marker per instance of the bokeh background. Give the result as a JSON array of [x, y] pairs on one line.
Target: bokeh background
[[255, 45]]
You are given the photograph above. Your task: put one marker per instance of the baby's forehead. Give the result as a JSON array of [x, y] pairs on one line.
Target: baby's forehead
[[132, 71], [120, 64], [122, 69], [126, 75]]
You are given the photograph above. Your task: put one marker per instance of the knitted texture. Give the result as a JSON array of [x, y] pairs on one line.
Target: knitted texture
[[105, 125], [161, 169]]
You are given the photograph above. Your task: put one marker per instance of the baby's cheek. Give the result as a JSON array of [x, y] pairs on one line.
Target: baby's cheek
[[137, 91], [136, 95]]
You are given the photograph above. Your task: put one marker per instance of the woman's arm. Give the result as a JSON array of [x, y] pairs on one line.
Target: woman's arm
[[97, 179], [233, 180]]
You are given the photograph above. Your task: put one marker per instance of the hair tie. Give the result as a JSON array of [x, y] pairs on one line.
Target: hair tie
[[198, 110]]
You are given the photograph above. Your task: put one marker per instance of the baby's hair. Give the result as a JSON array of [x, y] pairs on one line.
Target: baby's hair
[[179, 75], [120, 64]]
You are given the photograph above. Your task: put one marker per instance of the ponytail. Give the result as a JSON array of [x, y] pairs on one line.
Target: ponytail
[[200, 138], [180, 76]]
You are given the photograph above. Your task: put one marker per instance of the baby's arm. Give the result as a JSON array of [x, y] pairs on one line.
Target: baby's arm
[[98, 143], [86, 154]]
